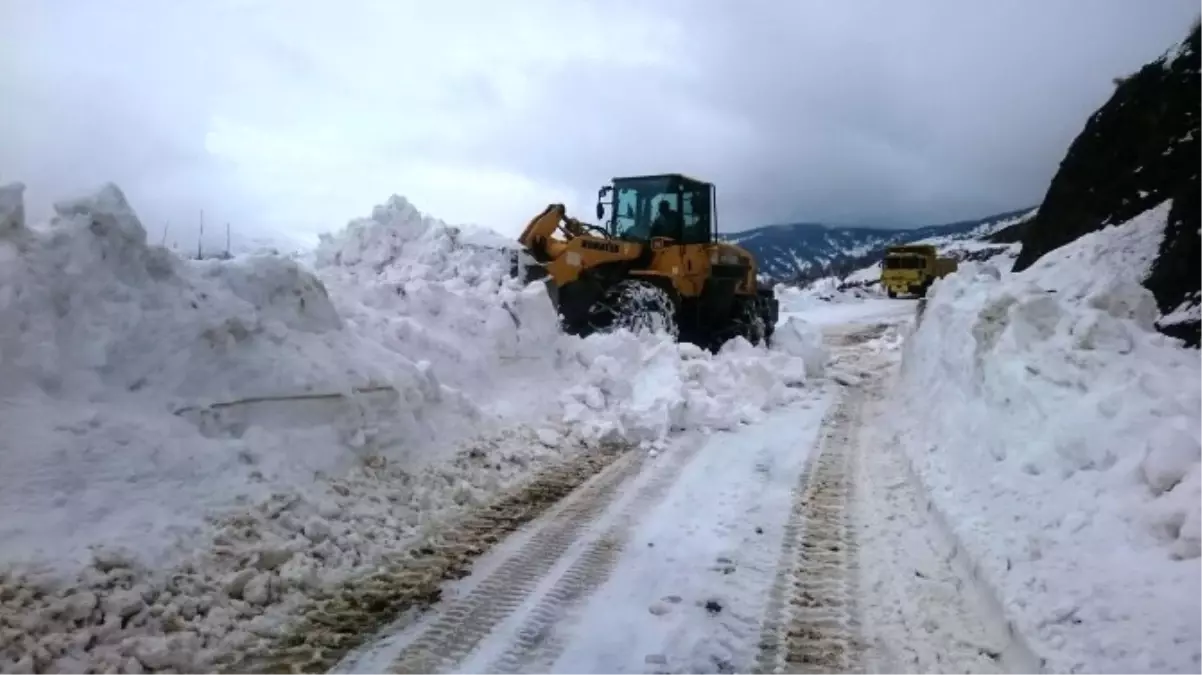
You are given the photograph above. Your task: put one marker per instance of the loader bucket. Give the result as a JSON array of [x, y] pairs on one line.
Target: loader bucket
[[524, 268]]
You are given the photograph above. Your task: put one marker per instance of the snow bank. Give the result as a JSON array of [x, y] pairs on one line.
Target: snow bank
[[865, 276], [111, 347], [820, 293], [111, 352], [441, 294], [804, 340], [1060, 433], [244, 432]]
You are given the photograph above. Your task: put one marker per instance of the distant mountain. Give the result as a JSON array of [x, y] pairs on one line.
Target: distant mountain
[[802, 251], [977, 244]]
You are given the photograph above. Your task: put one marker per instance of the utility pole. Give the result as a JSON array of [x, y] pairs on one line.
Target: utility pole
[[166, 226], [227, 239], [199, 251]]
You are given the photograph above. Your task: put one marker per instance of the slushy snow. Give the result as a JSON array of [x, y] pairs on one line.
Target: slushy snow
[[1059, 434], [193, 447]]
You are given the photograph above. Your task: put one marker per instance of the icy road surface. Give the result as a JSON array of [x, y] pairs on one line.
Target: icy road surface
[[795, 544]]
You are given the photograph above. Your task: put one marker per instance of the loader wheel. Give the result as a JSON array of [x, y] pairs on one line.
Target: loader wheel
[[637, 306], [751, 322], [746, 321]]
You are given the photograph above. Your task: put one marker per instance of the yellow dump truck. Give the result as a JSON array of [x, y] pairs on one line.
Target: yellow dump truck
[[910, 269]]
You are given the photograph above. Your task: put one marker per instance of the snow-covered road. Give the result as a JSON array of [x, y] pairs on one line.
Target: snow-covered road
[[785, 545], [700, 523], [687, 593]]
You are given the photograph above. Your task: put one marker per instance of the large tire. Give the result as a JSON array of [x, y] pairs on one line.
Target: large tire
[[751, 322], [769, 308], [635, 305], [746, 321]]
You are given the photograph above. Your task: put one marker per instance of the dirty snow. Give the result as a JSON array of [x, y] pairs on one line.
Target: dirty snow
[[1059, 434], [194, 416]]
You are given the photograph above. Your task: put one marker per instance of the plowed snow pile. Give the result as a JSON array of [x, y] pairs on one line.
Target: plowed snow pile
[[442, 294], [191, 448], [1059, 434]]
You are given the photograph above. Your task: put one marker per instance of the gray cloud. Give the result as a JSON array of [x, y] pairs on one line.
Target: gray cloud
[[293, 119], [867, 112], [92, 96]]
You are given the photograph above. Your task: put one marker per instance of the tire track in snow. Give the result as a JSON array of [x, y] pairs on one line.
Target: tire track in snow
[[926, 617], [810, 624], [467, 621], [535, 643], [933, 612], [341, 620], [927, 611]]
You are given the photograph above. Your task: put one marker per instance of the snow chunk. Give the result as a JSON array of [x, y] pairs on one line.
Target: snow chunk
[[173, 387], [640, 387], [803, 340], [1169, 456], [107, 214]]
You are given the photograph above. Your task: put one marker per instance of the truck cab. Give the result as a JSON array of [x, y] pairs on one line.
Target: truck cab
[[911, 269]]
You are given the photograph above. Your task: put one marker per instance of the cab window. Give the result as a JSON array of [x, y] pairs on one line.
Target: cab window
[[695, 212]]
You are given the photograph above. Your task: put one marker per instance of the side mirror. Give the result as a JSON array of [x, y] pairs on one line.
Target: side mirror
[[600, 211]]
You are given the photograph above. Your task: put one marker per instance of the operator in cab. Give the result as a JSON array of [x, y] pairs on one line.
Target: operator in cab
[[667, 222]]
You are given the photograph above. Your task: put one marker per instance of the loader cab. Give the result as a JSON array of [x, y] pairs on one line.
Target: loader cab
[[670, 205]]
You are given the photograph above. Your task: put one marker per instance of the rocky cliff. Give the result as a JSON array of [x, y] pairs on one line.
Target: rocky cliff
[[1137, 151]]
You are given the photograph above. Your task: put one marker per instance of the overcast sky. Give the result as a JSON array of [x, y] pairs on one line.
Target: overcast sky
[[297, 116]]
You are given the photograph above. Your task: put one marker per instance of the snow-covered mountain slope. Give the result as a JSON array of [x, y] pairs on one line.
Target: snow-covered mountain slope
[[809, 250], [1136, 151], [973, 245]]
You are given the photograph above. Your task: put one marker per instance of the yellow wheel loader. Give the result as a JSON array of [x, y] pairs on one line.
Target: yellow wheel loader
[[655, 264]]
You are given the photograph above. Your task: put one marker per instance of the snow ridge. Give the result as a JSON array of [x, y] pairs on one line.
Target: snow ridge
[[1047, 402]]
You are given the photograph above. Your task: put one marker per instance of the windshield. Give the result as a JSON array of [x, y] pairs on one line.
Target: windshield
[[905, 262], [636, 202], [660, 207]]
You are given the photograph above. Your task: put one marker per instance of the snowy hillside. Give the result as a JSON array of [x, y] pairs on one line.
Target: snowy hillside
[[1137, 150], [972, 245], [1058, 433], [808, 250], [192, 448], [860, 277]]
